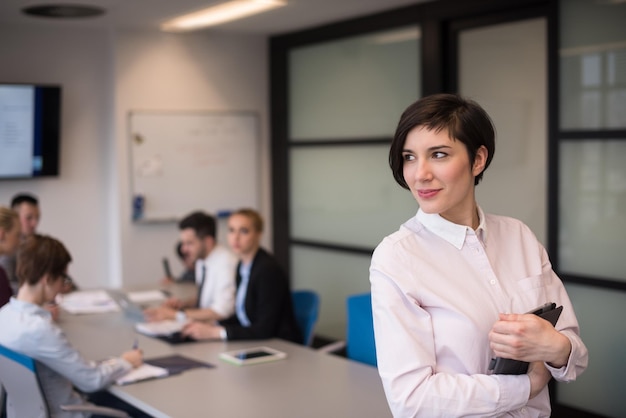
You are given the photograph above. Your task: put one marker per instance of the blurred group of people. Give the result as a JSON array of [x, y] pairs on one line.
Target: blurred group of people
[[17, 225], [242, 293]]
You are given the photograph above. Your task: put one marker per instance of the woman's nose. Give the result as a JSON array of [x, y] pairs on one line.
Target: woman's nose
[[423, 171]]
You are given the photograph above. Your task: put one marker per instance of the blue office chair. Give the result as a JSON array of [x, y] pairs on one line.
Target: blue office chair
[[24, 397], [359, 345], [306, 307]]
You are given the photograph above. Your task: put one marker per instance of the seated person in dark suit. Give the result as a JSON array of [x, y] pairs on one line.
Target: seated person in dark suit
[[263, 307]]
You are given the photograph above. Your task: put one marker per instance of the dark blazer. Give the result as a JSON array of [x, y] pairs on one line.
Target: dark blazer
[[5, 288], [268, 304]]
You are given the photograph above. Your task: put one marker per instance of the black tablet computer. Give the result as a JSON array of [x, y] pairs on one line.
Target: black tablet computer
[[499, 365]]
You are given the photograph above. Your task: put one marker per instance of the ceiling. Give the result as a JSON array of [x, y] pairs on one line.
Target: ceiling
[[297, 15]]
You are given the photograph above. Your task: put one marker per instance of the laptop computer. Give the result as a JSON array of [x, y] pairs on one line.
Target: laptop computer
[[131, 310]]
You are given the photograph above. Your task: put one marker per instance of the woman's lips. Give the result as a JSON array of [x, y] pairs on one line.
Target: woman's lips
[[427, 193]]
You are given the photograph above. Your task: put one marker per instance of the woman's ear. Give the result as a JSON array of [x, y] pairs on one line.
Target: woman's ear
[[480, 160]]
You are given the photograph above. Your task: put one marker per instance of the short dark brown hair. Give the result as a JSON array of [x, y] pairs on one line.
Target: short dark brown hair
[[202, 223], [464, 120], [18, 199], [39, 255]]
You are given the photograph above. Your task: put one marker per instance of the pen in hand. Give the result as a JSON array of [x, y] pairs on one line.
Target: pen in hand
[[134, 356]]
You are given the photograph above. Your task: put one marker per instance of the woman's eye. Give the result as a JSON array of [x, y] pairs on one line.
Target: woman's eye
[[439, 154], [408, 157]]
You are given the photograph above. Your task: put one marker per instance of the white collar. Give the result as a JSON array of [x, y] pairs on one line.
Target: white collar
[[453, 233]]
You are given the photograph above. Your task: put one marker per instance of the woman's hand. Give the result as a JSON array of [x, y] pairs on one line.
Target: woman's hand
[[159, 313], [174, 303], [528, 337], [202, 331], [134, 357]]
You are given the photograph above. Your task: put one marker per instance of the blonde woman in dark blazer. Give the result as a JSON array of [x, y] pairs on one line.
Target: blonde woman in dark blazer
[[263, 307]]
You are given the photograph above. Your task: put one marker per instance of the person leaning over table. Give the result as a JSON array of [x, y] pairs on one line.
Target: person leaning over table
[[27, 208], [28, 328], [263, 303], [9, 240], [450, 287], [214, 273]]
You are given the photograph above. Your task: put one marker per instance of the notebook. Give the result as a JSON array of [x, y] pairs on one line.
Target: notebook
[[88, 301], [177, 364], [159, 367], [168, 331], [144, 372]]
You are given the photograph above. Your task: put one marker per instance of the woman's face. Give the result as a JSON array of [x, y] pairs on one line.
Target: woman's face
[[11, 239], [439, 174], [243, 238]]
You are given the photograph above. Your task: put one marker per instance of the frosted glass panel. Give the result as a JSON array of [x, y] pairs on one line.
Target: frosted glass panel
[[345, 195], [512, 89], [355, 87], [592, 221], [593, 64], [334, 275], [600, 389]]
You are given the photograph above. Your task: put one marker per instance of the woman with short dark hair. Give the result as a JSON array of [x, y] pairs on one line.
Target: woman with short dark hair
[[451, 288]]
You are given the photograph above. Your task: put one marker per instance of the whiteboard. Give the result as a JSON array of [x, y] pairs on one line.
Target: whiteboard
[[187, 161]]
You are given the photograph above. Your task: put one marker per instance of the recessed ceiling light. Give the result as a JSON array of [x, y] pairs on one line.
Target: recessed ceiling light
[[63, 11], [220, 13]]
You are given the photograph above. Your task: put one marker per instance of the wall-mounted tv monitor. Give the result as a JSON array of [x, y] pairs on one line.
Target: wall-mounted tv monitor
[[30, 128]]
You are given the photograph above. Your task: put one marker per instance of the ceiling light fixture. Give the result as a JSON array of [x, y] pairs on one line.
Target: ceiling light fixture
[[63, 11], [221, 13]]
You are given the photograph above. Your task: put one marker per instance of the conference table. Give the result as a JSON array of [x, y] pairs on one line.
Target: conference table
[[307, 383]]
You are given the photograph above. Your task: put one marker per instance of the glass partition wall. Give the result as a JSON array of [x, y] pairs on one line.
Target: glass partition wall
[[592, 140], [591, 217], [345, 96], [337, 93]]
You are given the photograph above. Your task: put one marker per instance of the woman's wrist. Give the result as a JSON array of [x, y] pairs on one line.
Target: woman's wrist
[[563, 352]]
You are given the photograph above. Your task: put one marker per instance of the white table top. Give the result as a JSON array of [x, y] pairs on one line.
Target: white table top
[[305, 384]]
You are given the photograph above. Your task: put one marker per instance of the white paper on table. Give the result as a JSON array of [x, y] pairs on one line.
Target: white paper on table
[[159, 328], [146, 296], [88, 301], [143, 372]]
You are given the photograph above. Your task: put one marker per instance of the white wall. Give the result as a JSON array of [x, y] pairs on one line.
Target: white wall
[[201, 71], [104, 76], [73, 205]]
